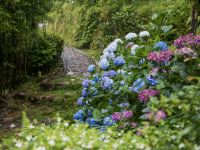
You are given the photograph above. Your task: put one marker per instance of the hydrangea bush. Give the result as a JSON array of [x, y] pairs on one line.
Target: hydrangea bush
[[133, 71]]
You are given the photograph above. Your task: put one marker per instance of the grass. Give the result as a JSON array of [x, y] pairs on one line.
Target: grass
[[63, 102]]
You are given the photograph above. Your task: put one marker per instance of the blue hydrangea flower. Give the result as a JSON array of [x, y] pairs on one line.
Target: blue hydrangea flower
[[92, 122], [80, 101], [112, 73], [106, 74], [91, 68], [123, 105], [119, 61], [95, 78], [122, 83], [92, 82], [108, 121], [110, 101], [152, 81], [137, 85], [85, 83], [161, 46], [106, 83], [89, 114], [84, 92], [79, 115], [104, 64], [94, 91]]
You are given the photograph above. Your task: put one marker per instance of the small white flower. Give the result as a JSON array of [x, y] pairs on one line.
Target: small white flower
[[144, 34], [66, 124], [12, 125], [18, 144], [41, 148], [134, 48], [130, 36], [52, 142], [65, 139], [28, 138], [31, 126], [181, 146]]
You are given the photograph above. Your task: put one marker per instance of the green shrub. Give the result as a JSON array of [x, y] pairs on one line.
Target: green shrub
[[44, 53]]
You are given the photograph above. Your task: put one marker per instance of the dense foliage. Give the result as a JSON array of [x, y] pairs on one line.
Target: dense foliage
[[93, 24], [18, 32]]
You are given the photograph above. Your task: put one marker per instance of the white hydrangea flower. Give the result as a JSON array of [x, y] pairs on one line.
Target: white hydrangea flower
[[121, 71], [112, 47], [144, 34], [118, 41], [111, 56], [134, 48], [130, 36], [28, 138]]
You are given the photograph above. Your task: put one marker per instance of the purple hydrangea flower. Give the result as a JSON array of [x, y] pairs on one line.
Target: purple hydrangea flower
[[160, 57], [160, 115], [127, 114], [146, 94], [117, 116]]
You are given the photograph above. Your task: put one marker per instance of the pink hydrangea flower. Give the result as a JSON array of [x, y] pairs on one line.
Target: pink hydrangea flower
[[146, 94], [127, 114], [116, 116], [186, 52], [160, 57], [160, 115]]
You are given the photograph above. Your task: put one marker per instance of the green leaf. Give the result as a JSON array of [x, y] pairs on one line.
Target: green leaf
[[166, 29], [96, 115]]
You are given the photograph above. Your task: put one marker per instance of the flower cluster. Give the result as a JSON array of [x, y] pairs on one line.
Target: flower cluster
[[144, 34], [189, 40], [161, 46], [91, 68], [186, 52], [130, 36], [160, 57], [111, 73], [134, 48], [117, 116], [152, 81], [137, 85], [119, 61], [146, 94], [104, 64], [106, 83], [79, 115]]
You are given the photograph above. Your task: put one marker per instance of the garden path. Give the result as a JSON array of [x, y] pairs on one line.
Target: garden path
[[75, 61]]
